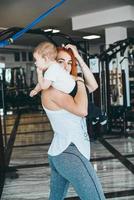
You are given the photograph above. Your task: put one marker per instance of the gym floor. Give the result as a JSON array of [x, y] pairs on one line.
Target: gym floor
[[29, 173]]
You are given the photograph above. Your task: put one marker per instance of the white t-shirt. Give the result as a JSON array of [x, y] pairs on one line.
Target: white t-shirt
[[68, 128], [61, 79]]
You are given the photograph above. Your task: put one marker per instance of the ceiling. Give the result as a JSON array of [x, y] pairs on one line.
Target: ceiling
[[20, 13]]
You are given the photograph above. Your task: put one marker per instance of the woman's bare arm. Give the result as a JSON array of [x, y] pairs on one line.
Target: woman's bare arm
[[88, 75], [77, 105]]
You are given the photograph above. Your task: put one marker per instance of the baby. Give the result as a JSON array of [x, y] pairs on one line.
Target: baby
[[54, 75]]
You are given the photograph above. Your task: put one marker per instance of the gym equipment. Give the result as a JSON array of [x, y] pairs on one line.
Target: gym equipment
[[116, 66], [16, 90], [3, 106], [2, 160], [116, 85]]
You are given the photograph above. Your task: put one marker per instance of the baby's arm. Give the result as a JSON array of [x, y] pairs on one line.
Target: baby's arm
[[44, 83], [35, 91]]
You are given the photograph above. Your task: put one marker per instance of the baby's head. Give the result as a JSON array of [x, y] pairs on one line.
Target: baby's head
[[46, 49]]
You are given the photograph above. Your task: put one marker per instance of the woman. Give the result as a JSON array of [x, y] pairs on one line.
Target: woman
[[69, 152]]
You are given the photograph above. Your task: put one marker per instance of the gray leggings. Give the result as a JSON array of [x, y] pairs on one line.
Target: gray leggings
[[72, 167]]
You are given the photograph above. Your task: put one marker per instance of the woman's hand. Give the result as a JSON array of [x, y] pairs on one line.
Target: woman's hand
[[73, 48]]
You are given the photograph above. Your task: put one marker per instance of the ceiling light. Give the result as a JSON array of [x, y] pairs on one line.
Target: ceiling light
[[3, 28], [55, 31], [48, 30], [91, 37]]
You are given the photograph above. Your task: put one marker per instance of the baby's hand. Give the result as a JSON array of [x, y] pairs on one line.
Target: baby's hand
[[33, 93], [40, 62], [43, 63]]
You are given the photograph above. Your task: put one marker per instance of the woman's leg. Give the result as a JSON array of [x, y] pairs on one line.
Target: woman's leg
[[74, 167], [58, 184]]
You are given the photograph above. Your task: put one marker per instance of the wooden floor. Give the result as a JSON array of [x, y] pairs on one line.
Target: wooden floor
[[29, 172]]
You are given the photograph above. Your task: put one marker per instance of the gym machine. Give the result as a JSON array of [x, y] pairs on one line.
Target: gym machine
[[117, 85], [16, 87]]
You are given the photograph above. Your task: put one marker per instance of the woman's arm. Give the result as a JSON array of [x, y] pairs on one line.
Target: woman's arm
[[77, 105], [88, 75]]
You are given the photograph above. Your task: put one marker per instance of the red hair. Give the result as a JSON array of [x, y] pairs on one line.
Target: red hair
[[74, 61]]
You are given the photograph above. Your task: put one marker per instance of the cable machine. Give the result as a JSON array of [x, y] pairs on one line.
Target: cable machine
[[117, 84]]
